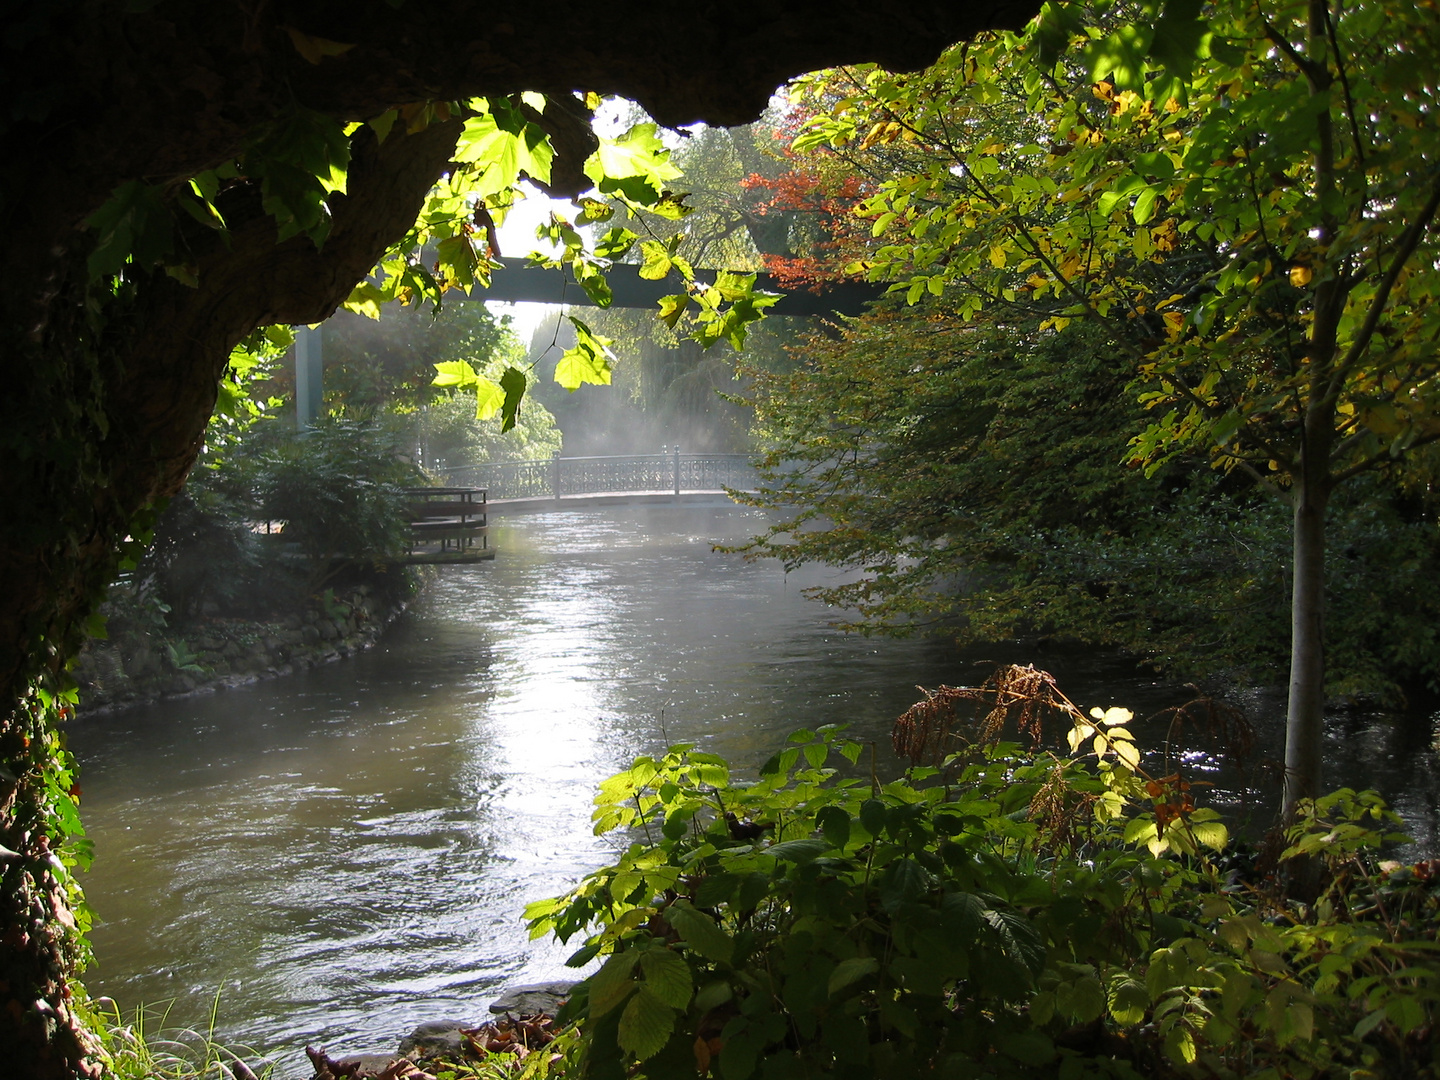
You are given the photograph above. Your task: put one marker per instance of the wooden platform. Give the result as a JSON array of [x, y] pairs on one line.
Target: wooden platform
[[447, 525], [447, 558]]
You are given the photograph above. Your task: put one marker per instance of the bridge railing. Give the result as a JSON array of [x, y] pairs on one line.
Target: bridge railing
[[558, 477]]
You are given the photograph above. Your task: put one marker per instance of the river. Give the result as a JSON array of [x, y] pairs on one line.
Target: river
[[343, 854]]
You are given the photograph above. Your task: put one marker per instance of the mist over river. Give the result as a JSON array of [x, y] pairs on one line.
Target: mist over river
[[345, 853]]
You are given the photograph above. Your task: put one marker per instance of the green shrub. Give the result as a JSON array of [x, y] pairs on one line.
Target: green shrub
[[1006, 913], [203, 552], [339, 489]]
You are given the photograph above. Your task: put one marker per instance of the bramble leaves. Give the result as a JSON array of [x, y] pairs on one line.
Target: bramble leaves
[[1128, 1001], [667, 977], [645, 1025], [613, 983], [700, 931], [834, 823], [970, 908]]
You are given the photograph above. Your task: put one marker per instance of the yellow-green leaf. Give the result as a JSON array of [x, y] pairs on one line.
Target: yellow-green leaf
[[645, 1025], [700, 932], [315, 49], [613, 983], [667, 976], [1128, 1002], [1212, 834], [1180, 1044], [489, 398], [587, 362], [638, 153], [457, 373]]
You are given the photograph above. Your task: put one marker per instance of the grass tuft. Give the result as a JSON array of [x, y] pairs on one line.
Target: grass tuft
[[143, 1047]]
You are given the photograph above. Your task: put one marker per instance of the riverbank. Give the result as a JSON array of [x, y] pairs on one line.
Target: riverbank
[[146, 660], [521, 1020]]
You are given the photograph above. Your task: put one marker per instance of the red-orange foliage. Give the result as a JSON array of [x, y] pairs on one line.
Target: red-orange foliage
[[828, 202]]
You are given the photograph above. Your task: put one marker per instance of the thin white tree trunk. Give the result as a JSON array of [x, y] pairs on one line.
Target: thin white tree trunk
[[1305, 718]]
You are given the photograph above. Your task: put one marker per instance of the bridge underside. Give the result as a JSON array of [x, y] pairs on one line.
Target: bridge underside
[[518, 280]]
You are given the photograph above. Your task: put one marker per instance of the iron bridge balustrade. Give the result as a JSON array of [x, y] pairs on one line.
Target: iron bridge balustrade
[[561, 476], [508, 479]]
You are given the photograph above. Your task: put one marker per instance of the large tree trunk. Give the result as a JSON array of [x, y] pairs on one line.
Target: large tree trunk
[[153, 382], [106, 398]]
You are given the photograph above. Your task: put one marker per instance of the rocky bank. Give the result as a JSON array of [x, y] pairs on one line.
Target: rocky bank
[[140, 663]]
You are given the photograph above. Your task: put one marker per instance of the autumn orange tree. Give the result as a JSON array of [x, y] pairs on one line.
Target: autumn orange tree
[[1243, 193]]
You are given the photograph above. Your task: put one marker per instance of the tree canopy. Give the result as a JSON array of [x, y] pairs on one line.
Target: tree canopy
[[1242, 195]]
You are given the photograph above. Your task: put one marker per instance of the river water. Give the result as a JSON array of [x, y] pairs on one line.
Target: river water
[[343, 854]]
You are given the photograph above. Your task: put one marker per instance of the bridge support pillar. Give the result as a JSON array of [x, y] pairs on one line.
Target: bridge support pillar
[[309, 377], [677, 468]]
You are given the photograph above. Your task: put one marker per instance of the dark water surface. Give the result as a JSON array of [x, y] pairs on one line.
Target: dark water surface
[[344, 854]]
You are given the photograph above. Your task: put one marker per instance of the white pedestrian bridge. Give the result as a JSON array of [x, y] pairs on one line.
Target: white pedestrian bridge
[[521, 486], [450, 524]]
